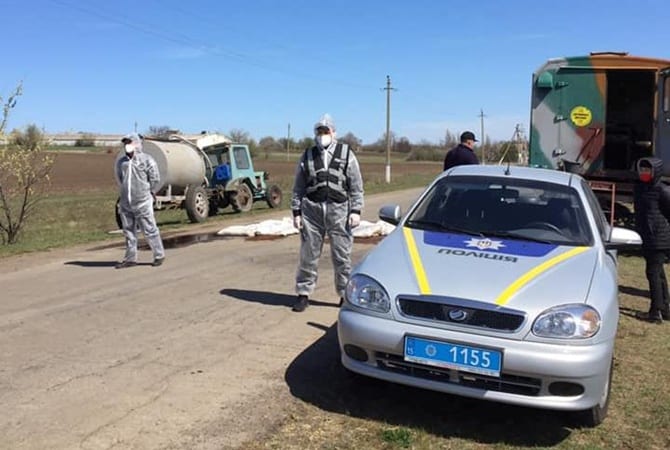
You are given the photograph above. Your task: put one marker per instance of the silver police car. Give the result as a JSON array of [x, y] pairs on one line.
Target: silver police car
[[500, 283]]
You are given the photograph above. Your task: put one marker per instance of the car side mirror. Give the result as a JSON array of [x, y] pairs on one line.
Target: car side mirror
[[623, 238], [390, 214]]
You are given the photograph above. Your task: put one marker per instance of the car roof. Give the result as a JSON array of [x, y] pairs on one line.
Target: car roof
[[515, 172]]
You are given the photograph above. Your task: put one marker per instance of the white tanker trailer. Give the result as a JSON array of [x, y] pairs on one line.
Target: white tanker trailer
[[206, 173]]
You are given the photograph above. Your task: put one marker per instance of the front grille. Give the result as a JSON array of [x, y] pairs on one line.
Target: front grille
[[511, 384], [423, 308]]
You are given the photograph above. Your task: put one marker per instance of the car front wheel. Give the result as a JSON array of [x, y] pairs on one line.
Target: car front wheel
[[595, 415]]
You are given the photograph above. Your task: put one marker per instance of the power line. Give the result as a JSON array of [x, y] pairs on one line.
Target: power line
[[182, 39]]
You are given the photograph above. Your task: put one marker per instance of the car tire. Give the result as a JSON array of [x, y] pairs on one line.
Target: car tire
[[595, 415]]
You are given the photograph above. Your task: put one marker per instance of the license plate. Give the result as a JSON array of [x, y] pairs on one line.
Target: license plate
[[483, 361]]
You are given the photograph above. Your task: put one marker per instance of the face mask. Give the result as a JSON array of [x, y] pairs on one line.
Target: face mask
[[645, 177], [130, 149], [324, 140]]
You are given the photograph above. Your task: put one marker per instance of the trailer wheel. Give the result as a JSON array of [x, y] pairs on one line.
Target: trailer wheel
[[273, 196], [197, 204], [243, 199], [117, 214]]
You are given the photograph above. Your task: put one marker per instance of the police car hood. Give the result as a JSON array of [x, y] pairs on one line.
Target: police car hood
[[518, 274]]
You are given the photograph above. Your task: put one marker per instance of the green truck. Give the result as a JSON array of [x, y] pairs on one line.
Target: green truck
[[595, 115]]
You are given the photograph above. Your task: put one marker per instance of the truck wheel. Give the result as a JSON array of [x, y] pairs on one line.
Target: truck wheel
[[273, 196], [197, 204], [117, 214], [243, 199]]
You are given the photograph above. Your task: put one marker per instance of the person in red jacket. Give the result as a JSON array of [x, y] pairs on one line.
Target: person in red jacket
[[652, 219], [463, 153]]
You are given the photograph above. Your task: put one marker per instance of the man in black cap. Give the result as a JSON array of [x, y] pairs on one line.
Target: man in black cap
[[463, 153]]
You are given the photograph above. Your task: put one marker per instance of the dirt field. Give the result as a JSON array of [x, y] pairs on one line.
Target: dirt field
[[78, 172]]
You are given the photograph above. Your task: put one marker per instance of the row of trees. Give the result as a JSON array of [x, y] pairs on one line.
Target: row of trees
[[25, 168], [423, 150]]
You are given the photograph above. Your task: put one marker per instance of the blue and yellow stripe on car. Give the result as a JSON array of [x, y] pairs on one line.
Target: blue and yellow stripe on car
[[415, 258], [533, 273], [508, 292]]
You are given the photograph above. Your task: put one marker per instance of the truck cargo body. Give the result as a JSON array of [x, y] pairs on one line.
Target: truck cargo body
[[596, 115]]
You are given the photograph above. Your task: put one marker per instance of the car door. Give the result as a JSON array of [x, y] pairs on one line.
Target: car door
[[581, 121], [662, 143]]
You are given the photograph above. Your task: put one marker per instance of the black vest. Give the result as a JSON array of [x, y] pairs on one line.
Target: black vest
[[326, 184]]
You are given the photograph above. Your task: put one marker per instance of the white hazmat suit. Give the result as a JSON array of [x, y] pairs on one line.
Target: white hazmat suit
[[137, 175], [327, 200]]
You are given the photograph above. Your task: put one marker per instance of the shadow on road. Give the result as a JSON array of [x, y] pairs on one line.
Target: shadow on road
[[644, 293], [270, 298], [99, 263], [317, 377]]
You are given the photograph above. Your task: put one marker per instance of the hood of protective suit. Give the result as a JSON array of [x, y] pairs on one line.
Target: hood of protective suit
[[325, 121], [134, 139]]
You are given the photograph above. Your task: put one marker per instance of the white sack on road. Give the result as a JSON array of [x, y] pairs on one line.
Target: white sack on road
[[284, 227], [272, 227]]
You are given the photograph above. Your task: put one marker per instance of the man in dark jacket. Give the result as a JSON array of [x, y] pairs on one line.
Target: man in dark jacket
[[652, 213], [463, 153]]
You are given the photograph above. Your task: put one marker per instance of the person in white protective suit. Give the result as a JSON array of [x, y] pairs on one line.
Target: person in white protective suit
[[138, 177], [327, 200]]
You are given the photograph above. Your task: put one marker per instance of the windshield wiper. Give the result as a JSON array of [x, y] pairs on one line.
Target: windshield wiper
[[427, 224], [511, 234]]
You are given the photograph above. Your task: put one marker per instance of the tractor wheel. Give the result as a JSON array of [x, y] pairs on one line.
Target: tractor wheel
[[243, 199], [273, 196], [197, 204], [117, 214]]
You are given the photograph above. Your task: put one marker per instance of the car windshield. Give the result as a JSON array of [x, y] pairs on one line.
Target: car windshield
[[502, 207]]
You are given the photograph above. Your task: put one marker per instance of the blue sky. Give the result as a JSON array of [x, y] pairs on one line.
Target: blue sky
[[258, 65]]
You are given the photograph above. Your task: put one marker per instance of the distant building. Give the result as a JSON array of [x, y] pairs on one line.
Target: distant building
[[71, 139]]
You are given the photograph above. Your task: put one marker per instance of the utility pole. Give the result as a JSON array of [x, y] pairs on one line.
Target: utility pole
[[136, 126], [288, 141], [388, 90], [482, 135], [521, 144]]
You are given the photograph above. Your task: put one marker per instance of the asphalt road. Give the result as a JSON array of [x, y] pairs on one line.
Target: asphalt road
[[188, 355]]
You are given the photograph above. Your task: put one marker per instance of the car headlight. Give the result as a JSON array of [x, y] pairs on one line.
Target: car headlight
[[567, 322], [364, 292]]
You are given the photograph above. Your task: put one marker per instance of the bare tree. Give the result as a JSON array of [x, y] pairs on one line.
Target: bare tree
[[450, 139], [161, 131], [30, 138], [24, 174], [239, 136], [403, 145], [351, 140], [8, 106], [269, 144], [305, 143]]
